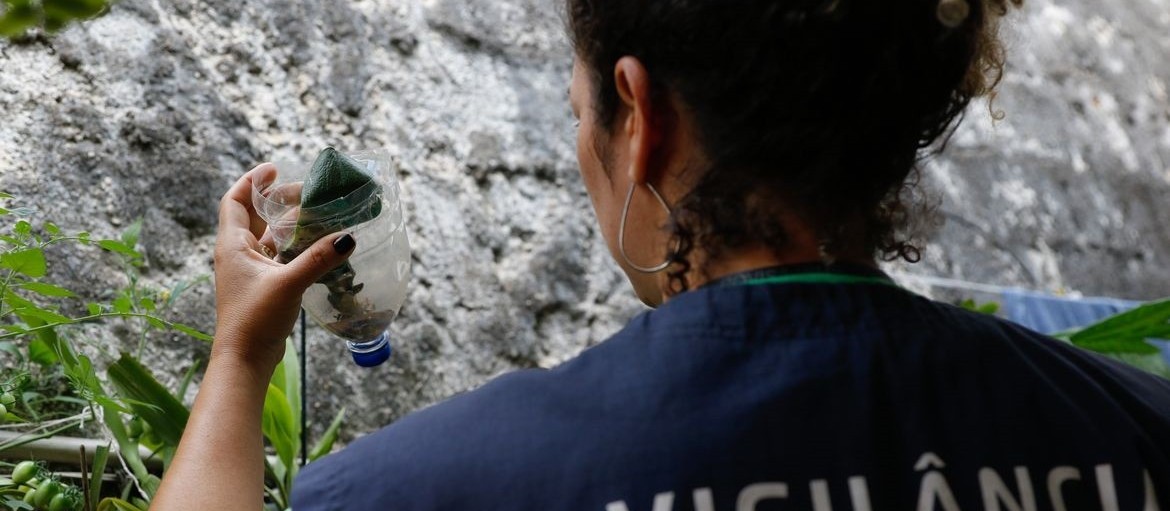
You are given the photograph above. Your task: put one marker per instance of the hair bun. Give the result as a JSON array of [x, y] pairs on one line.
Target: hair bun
[[952, 13]]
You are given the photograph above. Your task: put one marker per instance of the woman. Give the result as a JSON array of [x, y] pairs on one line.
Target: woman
[[746, 161]]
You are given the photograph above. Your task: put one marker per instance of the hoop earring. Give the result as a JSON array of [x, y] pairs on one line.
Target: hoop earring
[[622, 231]]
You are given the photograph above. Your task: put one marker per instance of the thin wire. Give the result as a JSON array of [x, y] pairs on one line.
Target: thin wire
[[304, 394]]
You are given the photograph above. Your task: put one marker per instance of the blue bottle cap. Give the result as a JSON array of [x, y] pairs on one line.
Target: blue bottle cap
[[372, 358]]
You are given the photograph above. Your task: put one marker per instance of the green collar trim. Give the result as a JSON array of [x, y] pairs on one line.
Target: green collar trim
[[818, 278]]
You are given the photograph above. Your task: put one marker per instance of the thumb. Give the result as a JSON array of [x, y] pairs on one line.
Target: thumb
[[324, 255]]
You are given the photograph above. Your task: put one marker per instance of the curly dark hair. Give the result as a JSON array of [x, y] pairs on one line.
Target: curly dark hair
[[826, 105]]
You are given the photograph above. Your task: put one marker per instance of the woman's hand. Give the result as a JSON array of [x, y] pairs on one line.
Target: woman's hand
[[257, 299], [220, 461]]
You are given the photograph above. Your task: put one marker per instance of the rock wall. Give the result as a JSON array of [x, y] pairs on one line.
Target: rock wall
[[1071, 190], [154, 109]]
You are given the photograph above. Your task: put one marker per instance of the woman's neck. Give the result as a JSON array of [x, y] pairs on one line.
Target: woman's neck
[[755, 258]]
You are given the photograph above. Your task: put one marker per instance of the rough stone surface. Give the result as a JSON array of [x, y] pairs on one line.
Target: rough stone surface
[[154, 109], [1071, 190]]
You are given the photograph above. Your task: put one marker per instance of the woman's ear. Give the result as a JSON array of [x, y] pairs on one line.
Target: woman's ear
[[638, 128]]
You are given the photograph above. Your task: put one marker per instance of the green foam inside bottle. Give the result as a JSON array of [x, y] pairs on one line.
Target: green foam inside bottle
[[336, 195]]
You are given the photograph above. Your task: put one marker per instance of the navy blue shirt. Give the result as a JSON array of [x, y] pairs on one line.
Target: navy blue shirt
[[810, 396]]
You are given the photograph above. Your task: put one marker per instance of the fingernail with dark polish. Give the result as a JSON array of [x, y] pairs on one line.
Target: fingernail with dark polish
[[344, 244]]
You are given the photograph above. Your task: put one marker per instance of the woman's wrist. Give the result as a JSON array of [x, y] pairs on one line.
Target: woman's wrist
[[241, 356]]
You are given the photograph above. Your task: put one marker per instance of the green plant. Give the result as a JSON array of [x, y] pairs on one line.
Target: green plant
[[135, 410], [33, 486], [282, 428], [20, 16], [1126, 336], [163, 416], [987, 308], [39, 332], [24, 295], [51, 380]]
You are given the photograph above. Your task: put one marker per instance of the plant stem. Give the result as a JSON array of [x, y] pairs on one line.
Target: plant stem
[[19, 441], [83, 319], [4, 286]]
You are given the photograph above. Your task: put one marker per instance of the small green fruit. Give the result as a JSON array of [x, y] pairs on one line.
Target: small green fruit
[[60, 502], [46, 492], [24, 472]]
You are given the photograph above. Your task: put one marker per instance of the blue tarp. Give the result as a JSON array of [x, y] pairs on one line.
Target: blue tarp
[[1050, 314]]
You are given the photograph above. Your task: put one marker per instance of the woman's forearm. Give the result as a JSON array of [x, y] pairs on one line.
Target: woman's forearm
[[220, 461]]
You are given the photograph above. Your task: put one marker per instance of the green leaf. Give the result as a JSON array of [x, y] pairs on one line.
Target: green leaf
[[41, 353], [30, 262], [69, 10], [1128, 331], [989, 308], [151, 480], [83, 237], [52, 228], [119, 248], [1152, 363], [113, 504], [1121, 347], [192, 332], [279, 425], [187, 377], [94, 309], [147, 304], [3, 211], [127, 448], [48, 316], [22, 228], [111, 406], [97, 471], [287, 377], [278, 374], [84, 378], [44, 289], [123, 305], [325, 445], [156, 323], [15, 505], [18, 302], [166, 414], [19, 17], [275, 471], [46, 348], [132, 233]]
